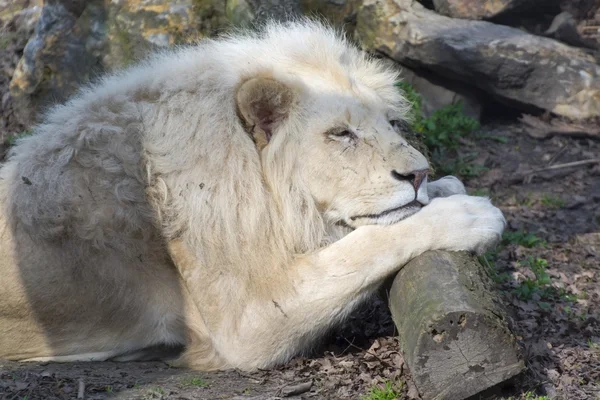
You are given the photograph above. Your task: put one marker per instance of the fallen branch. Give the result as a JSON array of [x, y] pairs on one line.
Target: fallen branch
[[81, 389], [539, 129], [524, 175], [295, 390], [565, 165]]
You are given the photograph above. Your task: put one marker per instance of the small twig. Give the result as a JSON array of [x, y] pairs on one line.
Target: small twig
[[81, 391], [557, 155], [527, 175], [254, 379], [295, 390], [540, 129], [367, 351], [346, 349], [565, 165]]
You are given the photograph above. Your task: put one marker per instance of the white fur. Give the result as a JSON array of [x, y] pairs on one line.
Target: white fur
[[141, 212]]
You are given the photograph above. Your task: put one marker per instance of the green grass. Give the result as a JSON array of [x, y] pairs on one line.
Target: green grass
[[194, 381], [464, 167], [481, 192], [499, 139], [442, 132], [552, 201], [522, 238], [387, 392], [445, 127], [540, 284], [533, 396]]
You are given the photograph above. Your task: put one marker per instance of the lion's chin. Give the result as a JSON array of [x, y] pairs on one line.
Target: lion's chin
[[388, 217]]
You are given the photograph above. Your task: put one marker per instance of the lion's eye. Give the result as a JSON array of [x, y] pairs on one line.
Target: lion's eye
[[341, 134]]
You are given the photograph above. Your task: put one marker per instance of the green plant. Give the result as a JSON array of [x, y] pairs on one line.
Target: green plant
[[413, 98], [522, 238], [387, 392], [540, 284], [442, 132], [444, 127], [552, 201], [481, 192], [464, 167], [194, 381], [533, 396]]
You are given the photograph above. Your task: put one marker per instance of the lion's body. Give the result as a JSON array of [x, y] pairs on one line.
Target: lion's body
[[142, 213]]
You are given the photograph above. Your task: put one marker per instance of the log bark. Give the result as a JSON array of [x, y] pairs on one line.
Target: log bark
[[519, 68], [454, 336]]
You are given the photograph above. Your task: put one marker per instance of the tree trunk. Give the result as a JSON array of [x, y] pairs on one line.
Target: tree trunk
[[454, 337]]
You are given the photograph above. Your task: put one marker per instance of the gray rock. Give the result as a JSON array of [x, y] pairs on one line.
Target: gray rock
[[59, 56], [245, 13], [437, 94], [337, 12], [76, 40], [19, 16], [481, 9], [508, 63]]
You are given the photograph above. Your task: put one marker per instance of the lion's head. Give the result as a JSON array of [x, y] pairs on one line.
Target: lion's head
[[337, 117]]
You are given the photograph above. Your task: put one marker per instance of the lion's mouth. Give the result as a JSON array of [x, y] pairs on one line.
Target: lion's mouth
[[409, 208]]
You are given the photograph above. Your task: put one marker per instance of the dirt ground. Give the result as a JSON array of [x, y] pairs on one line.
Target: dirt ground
[[547, 272]]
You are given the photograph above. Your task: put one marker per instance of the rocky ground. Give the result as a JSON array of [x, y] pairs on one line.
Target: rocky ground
[[547, 271]]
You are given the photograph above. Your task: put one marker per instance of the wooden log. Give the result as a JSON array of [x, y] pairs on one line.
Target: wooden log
[[484, 54], [453, 334]]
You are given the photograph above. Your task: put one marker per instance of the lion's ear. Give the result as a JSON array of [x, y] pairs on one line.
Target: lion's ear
[[264, 104]]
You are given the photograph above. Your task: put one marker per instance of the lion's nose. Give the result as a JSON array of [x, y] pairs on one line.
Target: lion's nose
[[415, 177]]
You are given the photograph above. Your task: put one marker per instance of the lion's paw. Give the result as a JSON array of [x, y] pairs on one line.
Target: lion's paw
[[461, 222], [444, 187]]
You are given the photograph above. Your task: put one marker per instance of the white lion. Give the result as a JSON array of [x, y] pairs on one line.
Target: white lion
[[236, 198]]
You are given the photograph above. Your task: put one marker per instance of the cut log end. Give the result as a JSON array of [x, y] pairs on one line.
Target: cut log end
[[454, 337], [462, 354]]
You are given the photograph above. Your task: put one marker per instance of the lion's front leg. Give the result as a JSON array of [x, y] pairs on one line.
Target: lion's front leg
[[445, 186], [297, 303]]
